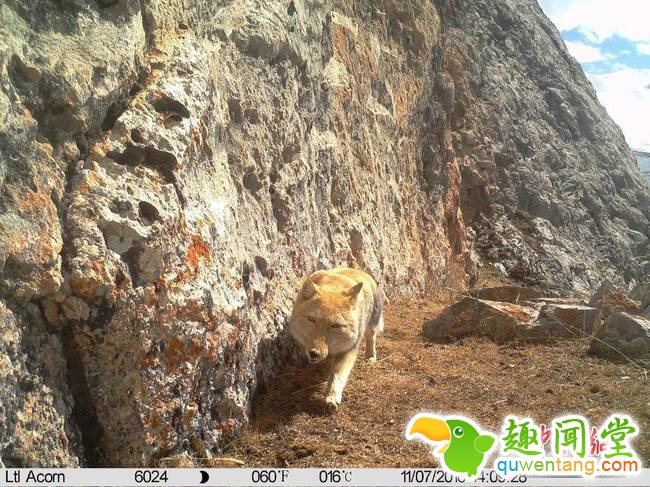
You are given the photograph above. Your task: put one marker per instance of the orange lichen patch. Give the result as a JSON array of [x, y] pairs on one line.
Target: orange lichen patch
[[520, 313], [197, 250], [151, 299], [228, 426], [91, 180], [161, 283], [166, 436], [617, 301], [177, 352], [401, 102], [339, 36], [183, 276], [152, 421], [84, 188], [99, 150], [453, 216], [214, 345], [27, 115], [88, 287], [194, 310], [149, 362], [35, 203], [189, 413]]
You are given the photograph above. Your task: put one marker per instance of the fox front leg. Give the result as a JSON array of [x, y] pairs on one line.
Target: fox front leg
[[341, 369]]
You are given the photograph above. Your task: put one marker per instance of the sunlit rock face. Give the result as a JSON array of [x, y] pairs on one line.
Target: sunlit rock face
[[567, 205], [170, 173]]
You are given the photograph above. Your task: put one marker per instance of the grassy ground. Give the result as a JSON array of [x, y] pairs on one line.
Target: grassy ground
[[475, 377]]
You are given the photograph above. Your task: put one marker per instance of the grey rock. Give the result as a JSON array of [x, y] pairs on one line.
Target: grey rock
[[622, 335]]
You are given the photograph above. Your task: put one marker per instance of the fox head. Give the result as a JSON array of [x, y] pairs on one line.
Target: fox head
[[324, 320]]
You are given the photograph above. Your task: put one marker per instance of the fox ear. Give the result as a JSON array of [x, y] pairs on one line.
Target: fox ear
[[308, 289], [354, 290]]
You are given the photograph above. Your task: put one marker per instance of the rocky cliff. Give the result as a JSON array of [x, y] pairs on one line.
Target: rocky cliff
[[170, 172]]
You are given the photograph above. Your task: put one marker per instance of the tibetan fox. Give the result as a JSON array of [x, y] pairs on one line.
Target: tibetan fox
[[334, 310]]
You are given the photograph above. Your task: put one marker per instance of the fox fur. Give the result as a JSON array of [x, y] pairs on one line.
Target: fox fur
[[336, 309]]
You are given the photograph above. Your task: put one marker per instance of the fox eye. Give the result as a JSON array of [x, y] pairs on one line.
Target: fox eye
[[458, 432], [311, 318], [336, 325]]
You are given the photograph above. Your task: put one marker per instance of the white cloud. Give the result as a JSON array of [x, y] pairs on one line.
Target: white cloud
[[601, 19], [623, 90], [585, 53], [643, 48], [625, 95]]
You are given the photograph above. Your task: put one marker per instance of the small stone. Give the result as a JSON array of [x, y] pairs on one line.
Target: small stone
[[70, 151], [303, 452], [75, 308], [50, 310]]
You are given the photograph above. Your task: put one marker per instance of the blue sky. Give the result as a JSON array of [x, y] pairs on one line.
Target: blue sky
[[611, 40]]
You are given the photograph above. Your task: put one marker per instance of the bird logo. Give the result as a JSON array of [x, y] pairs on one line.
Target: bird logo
[[465, 448]]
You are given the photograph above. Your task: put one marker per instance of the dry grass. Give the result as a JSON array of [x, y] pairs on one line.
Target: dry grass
[[475, 377]]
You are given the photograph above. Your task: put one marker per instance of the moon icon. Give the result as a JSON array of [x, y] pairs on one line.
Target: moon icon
[[204, 476]]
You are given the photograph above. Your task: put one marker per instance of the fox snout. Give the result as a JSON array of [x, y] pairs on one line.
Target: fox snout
[[315, 355]]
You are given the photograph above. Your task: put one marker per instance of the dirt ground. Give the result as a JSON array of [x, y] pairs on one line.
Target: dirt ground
[[476, 377]]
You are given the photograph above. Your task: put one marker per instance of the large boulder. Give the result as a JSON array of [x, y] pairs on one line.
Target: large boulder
[[478, 317], [622, 335]]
